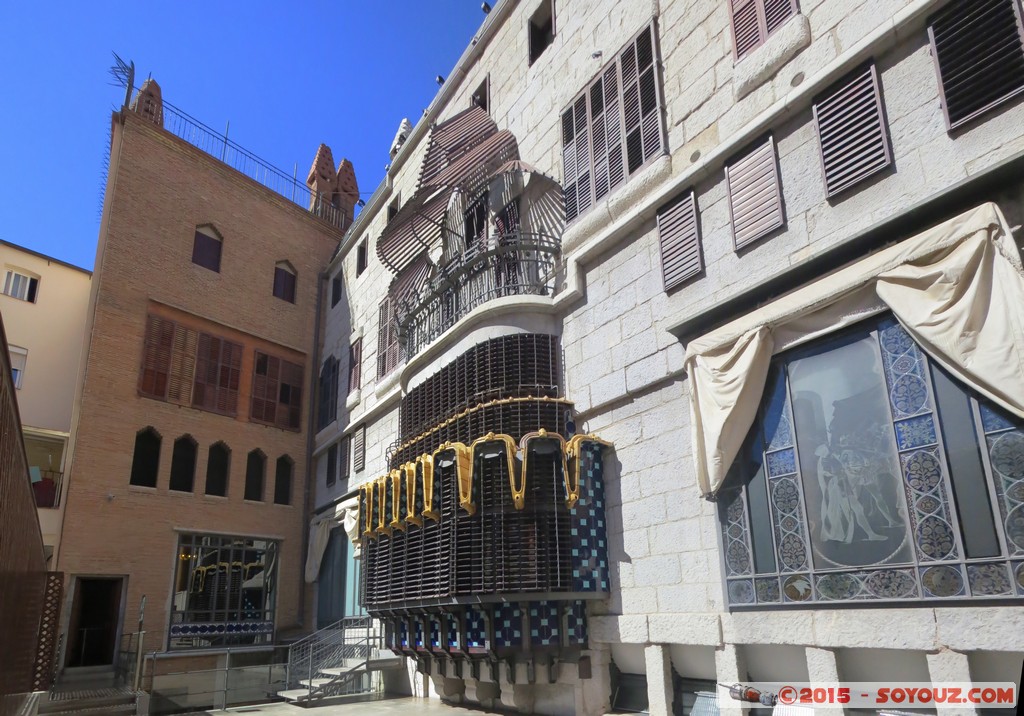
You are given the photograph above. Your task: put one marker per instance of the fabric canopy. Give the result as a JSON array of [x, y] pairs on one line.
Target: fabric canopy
[[957, 288], [345, 515]]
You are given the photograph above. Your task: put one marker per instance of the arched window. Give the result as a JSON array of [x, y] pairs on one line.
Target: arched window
[[255, 469], [206, 248], [283, 481], [146, 458], [183, 463], [284, 281], [217, 465]]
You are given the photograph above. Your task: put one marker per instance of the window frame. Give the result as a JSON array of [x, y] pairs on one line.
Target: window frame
[[355, 365], [13, 287], [286, 282], [150, 430], [249, 475], [220, 445], [288, 478], [533, 30], [205, 248], [273, 386], [362, 257], [18, 365], [189, 474]]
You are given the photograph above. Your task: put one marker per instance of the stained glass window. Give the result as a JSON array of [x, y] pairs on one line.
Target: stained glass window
[[872, 474]]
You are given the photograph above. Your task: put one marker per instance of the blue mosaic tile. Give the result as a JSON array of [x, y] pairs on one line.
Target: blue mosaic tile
[[916, 432], [576, 623], [993, 418], [476, 628], [544, 623], [782, 462], [587, 525], [508, 625]]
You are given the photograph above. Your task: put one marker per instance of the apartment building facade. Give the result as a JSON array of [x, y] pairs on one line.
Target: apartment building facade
[[187, 519], [44, 304], [779, 305]]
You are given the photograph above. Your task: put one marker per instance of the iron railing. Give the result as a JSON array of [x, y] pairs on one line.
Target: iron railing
[[512, 264], [128, 664], [199, 135], [234, 684], [347, 643]]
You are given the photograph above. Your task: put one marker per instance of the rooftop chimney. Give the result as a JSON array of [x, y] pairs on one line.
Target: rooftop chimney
[[149, 103], [404, 130]]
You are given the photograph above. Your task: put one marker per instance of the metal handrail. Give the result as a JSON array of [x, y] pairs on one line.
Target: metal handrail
[[350, 637], [511, 264]]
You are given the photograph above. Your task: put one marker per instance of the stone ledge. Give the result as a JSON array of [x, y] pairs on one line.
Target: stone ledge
[[761, 64]]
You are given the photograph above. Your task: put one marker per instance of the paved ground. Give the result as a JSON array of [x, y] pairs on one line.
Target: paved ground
[[378, 707]]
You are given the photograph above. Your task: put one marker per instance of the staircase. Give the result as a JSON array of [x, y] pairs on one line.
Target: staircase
[[339, 660]]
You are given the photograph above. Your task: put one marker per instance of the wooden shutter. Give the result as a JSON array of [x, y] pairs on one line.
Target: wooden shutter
[[355, 362], [978, 48], [344, 455], [156, 357], [359, 449], [265, 374], [851, 131], [387, 339], [230, 375], [217, 373], [284, 284], [679, 234], [576, 159], [606, 129], [755, 197], [206, 251], [640, 104], [289, 409], [182, 367], [754, 20]]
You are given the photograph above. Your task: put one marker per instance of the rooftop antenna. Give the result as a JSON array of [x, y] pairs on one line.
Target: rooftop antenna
[[124, 76]]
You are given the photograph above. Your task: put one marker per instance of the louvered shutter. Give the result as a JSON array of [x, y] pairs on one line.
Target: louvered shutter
[[229, 376], [978, 48], [754, 20], [289, 410], [387, 339], [182, 368], [606, 131], [265, 388], [776, 12], [156, 357], [755, 197], [576, 159], [640, 101], [851, 131], [679, 234], [204, 392], [359, 449]]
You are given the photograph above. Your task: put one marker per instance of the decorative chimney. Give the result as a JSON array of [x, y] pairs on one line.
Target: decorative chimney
[[334, 192], [404, 130], [149, 103]]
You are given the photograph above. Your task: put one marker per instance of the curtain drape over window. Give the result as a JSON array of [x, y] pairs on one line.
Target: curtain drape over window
[[346, 515], [957, 288]]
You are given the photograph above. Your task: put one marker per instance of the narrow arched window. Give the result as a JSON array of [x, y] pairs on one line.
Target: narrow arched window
[[283, 481], [146, 458], [217, 465], [183, 464], [284, 281], [255, 469]]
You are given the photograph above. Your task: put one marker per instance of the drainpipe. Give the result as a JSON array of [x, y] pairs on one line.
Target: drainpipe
[[314, 375]]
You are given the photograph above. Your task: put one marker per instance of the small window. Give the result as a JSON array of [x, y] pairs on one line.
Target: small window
[[754, 20], [217, 465], [387, 339], [283, 481], [359, 449], [327, 411], [978, 48], [355, 359], [276, 392], [345, 456], [183, 464], [482, 97], [21, 286], [332, 464], [393, 207], [284, 281], [362, 258], [542, 29], [335, 290], [474, 220], [145, 458], [755, 196], [19, 358], [206, 248], [255, 469]]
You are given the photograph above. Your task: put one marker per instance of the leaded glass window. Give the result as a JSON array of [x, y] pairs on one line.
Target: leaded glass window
[[224, 592], [872, 474]]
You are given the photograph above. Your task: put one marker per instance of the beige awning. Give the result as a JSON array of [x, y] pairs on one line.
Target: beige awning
[[345, 514], [957, 288]]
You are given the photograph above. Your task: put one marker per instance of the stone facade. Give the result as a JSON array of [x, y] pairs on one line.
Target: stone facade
[[621, 332]]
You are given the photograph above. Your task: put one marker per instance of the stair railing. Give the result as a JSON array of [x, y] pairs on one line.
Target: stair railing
[[326, 648]]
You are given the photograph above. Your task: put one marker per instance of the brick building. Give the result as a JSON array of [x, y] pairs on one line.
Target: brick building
[[813, 475], [189, 457]]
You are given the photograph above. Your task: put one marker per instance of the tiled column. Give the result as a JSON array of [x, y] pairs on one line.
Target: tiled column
[[659, 680], [822, 669], [729, 669], [947, 666]]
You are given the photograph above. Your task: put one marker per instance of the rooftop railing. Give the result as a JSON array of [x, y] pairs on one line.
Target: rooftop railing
[[511, 264]]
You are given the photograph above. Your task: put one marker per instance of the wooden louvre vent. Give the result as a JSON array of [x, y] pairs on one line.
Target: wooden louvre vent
[[679, 234], [850, 122], [754, 20], [359, 449], [978, 48], [755, 197]]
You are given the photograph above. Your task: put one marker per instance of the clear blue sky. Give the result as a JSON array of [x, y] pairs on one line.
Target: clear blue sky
[[287, 75]]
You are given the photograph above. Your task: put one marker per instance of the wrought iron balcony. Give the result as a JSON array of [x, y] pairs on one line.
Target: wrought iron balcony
[[511, 264]]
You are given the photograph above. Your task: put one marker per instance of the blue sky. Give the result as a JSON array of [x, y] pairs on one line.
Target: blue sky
[[286, 75]]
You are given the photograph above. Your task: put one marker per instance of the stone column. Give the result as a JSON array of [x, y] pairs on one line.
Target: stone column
[[947, 666], [822, 669], [659, 680], [730, 668]]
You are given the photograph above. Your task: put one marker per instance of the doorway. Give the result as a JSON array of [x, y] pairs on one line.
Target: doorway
[[95, 612]]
